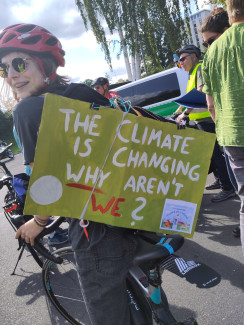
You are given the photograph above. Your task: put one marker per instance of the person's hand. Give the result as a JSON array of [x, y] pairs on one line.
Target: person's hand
[[180, 118], [29, 231]]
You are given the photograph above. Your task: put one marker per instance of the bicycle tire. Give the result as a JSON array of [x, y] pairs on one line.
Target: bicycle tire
[[62, 286], [155, 314]]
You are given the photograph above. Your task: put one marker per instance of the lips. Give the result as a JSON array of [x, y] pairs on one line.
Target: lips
[[20, 85]]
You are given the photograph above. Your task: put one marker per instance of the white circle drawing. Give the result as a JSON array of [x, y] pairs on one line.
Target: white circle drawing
[[46, 190]]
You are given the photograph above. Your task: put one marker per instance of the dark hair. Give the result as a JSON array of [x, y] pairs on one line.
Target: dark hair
[[50, 66], [216, 22]]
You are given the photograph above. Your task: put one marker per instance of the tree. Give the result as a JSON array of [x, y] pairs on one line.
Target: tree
[[88, 82], [145, 28], [6, 126], [216, 2]]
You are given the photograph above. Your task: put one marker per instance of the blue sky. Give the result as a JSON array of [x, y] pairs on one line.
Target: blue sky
[[84, 58]]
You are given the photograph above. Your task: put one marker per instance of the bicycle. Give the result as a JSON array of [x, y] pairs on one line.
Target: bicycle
[[147, 300], [5, 152]]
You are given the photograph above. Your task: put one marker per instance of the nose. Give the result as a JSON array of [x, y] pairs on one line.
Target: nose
[[12, 73]]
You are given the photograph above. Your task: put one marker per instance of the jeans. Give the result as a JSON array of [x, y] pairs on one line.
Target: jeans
[[236, 159], [230, 172], [218, 164], [102, 272]]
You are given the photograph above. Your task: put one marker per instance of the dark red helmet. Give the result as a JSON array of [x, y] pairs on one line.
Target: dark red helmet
[[31, 38]]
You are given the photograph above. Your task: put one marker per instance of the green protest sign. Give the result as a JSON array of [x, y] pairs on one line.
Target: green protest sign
[[118, 168]]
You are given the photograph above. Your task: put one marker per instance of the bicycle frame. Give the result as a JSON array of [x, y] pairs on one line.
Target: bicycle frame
[[154, 306]]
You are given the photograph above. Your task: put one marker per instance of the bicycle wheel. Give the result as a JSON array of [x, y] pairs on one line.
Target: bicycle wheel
[[62, 287]]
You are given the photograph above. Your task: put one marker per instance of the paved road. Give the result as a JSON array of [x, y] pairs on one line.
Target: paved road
[[23, 300]]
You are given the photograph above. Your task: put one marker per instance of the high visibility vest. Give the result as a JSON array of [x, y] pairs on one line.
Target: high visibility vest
[[199, 113]]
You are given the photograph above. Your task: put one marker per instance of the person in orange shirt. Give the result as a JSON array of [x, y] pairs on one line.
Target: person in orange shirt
[[101, 86]]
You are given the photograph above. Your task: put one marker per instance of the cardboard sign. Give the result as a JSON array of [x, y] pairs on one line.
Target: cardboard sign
[[117, 168]]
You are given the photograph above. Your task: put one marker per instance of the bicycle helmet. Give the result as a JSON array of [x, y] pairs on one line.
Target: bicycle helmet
[[190, 49], [33, 39], [100, 81]]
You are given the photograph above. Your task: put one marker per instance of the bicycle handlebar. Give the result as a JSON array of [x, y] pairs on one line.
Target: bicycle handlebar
[[21, 219], [46, 231]]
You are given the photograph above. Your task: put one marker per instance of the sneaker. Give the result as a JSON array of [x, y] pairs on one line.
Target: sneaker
[[214, 186], [223, 195], [236, 231], [62, 231], [57, 239]]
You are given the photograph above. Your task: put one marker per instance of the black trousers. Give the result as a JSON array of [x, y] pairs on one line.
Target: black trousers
[[218, 164]]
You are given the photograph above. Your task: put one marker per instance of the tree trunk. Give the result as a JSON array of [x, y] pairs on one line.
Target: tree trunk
[[133, 66], [125, 53], [137, 66]]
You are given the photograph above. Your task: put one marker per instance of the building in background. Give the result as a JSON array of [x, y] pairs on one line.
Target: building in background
[[196, 21]]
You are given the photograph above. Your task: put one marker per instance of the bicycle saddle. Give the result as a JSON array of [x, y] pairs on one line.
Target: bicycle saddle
[[152, 249]]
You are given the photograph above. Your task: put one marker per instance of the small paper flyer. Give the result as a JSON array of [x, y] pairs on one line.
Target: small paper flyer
[[178, 216]]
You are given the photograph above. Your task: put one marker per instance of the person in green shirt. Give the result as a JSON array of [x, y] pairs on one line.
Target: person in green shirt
[[190, 61], [223, 74]]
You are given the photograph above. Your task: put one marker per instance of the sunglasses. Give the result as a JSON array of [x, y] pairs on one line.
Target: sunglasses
[[19, 65], [210, 41], [184, 57]]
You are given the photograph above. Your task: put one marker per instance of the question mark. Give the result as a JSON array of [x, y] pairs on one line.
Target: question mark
[[134, 213]]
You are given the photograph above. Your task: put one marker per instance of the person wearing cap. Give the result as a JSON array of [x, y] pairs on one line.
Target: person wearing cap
[[190, 61], [101, 86]]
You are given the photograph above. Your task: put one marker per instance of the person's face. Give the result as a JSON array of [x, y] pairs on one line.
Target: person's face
[[186, 61], [209, 38], [27, 82], [100, 89]]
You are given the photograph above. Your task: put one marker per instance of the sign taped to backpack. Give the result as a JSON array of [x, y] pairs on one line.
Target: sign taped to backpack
[[117, 168]]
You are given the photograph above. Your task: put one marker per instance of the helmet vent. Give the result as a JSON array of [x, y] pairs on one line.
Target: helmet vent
[[32, 40], [10, 38], [26, 28], [1, 36], [52, 41]]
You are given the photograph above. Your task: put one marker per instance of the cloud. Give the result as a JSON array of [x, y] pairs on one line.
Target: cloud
[[60, 17]]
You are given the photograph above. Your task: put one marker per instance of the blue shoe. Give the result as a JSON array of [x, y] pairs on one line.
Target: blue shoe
[[62, 231], [57, 239]]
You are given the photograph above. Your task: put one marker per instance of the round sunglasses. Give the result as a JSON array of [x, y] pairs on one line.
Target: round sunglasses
[[210, 41], [19, 65]]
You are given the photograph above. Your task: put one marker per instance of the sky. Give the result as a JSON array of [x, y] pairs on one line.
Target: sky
[[84, 57]]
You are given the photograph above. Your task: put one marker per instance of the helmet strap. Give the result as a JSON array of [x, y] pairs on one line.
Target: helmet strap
[[47, 79]]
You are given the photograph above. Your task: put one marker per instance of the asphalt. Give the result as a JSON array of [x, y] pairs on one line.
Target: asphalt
[[23, 301]]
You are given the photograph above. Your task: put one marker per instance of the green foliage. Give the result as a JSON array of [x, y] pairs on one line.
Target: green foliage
[[88, 82], [217, 2], [151, 28], [6, 129]]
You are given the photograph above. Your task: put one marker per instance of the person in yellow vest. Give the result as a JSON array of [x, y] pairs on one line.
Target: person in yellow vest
[[190, 61]]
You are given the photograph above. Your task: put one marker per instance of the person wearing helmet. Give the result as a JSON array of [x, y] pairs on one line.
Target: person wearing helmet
[[30, 56], [189, 56], [101, 86], [190, 61]]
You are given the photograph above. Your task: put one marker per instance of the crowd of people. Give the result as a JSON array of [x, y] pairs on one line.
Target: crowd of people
[[30, 56]]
